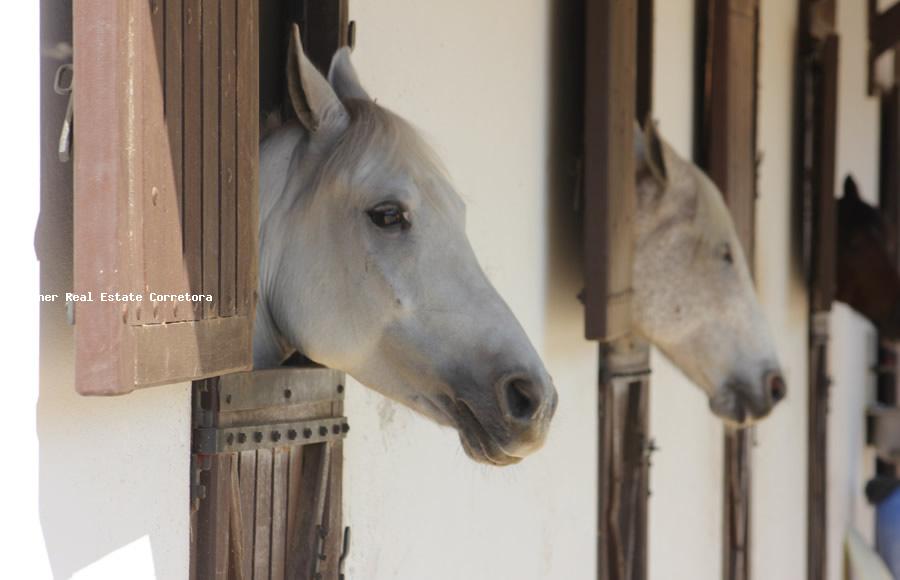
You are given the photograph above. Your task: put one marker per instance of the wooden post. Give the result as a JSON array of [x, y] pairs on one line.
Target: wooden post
[[611, 99], [816, 114], [727, 150]]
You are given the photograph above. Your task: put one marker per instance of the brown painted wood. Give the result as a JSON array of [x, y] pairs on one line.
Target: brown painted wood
[[279, 511], [174, 112], [210, 143], [192, 220], [262, 537], [728, 153], [816, 117], [247, 152], [302, 544], [228, 158], [247, 494], [156, 196], [609, 109]]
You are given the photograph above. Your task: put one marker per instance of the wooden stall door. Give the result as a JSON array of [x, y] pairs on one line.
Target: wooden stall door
[[165, 156], [267, 470]]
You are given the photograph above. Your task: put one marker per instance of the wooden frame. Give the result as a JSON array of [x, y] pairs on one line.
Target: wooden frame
[[618, 83], [165, 180], [728, 49], [816, 139]]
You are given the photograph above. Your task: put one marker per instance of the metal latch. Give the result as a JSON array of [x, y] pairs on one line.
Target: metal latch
[[63, 83]]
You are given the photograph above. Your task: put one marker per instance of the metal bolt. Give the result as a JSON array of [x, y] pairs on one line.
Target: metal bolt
[[307, 433], [323, 430], [242, 437], [340, 388], [345, 427], [227, 399], [287, 393], [230, 438], [276, 435], [292, 434], [258, 436], [336, 429]]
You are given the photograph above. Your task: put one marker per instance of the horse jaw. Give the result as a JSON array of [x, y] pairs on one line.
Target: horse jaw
[[694, 297]]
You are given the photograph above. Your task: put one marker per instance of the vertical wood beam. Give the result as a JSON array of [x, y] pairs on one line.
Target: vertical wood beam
[[727, 150], [609, 109], [613, 95], [815, 136]]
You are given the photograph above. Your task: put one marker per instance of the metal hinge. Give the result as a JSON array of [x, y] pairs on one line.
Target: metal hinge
[[63, 84]]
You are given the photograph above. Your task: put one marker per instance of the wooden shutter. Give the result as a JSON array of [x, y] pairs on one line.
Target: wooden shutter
[[165, 200], [728, 32], [613, 64]]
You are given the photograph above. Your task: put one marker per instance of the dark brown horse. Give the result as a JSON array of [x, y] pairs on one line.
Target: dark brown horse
[[867, 276]]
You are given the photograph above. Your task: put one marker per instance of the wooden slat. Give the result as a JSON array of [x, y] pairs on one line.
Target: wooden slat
[[192, 219], [210, 144], [262, 537], [302, 544], [212, 549], [247, 98], [295, 492], [248, 508], [279, 511], [163, 268], [174, 18], [228, 158], [610, 80]]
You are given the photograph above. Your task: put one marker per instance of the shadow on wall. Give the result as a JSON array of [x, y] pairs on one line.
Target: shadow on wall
[[113, 471], [565, 277]]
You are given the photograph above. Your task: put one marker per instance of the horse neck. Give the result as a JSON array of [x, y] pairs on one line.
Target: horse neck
[[278, 155]]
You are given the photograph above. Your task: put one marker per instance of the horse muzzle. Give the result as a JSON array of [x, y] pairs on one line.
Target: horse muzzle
[[526, 407], [741, 405]]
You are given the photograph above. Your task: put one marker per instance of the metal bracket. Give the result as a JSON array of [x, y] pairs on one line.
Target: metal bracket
[[60, 85], [267, 436]]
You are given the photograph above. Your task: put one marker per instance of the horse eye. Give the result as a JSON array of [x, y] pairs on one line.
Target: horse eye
[[389, 216]]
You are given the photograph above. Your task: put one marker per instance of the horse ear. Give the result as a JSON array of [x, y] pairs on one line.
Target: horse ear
[[648, 149], [851, 190], [343, 79], [314, 101]]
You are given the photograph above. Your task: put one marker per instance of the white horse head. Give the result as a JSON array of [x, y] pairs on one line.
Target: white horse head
[[694, 297], [365, 267]]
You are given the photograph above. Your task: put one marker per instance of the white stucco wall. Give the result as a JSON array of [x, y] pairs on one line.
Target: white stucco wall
[[475, 76]]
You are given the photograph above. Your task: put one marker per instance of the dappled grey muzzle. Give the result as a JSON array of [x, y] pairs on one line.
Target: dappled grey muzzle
[[740, 404]]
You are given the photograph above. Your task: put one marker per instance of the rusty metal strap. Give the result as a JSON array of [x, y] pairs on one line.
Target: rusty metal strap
[[268, 436]]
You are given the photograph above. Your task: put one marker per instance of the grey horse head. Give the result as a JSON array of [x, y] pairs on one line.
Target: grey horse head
[[694, 297], [365, 267]]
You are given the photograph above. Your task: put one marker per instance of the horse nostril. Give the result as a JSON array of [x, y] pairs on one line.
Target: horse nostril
[[777, 388], [521, 398]]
